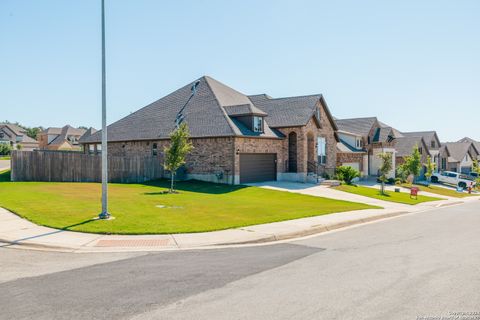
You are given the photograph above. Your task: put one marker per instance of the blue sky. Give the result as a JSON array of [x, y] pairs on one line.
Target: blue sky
[[413, 64]]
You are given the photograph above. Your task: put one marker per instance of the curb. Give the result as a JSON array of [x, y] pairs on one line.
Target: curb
[[317, 229], [269, 238]]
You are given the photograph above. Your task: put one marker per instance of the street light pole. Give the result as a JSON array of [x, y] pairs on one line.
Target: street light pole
[[104, 214]]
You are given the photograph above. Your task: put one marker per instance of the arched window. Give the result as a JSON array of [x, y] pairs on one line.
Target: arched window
[[154, 149]]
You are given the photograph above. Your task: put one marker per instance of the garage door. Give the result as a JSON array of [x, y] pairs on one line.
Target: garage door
[[257, 167], [354, 165]]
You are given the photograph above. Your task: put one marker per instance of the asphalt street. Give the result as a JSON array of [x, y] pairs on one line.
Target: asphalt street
[[424, 264]]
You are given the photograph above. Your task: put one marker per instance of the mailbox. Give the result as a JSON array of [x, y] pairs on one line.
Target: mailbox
[[414, 192]]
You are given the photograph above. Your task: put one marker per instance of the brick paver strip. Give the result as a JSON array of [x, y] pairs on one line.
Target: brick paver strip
[[133, 243]]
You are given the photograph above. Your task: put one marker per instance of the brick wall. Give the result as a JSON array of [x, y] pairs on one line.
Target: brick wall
[[209, 156], [349, 157], [252, 145]]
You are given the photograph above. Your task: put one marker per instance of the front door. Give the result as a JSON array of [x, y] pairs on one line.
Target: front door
[[292, 152]]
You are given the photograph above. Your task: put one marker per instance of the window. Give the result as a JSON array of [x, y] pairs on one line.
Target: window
[[257, 124], [420, 150], [317, 113], [359, 143], [91, 148], [154, 149], [322, 150], [433, 144], [99, 148], [444, 163]]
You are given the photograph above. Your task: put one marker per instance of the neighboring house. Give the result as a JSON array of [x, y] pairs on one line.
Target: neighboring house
[[17, 137], [404, 147], [65, 138], [475, 143], [461, 156], [362, 140], [351, 151], [433, 146], [236, 138]]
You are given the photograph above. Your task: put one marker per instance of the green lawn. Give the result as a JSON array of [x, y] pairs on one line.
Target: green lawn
[[4, 157], [145, 209], [400, 197], [440, 191]]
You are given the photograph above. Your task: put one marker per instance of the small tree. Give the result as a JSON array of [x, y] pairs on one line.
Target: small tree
[[19, 147], [177, 151], [413, 163], [385, 168], [476, 169], [347, 174], [431, 166]]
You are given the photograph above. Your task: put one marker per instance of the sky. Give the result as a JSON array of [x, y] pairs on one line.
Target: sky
[[413, 64]]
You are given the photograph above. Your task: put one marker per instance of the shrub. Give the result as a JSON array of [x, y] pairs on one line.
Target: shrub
[[5, 149], [347, 174]]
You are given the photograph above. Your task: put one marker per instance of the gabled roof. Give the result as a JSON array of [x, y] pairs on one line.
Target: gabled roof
[[290, 111], [458, 150], [212, 112], [87, 133], [358, 126], [428, 136], [404, 145], [475, 143], [67, 130], [385, 134], [16, 131]]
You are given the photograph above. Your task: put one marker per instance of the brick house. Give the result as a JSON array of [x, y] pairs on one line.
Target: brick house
[[236, 138], [16, 137], [404, 147], [65, 138], [360, 142], [461, 156], [433, 146]]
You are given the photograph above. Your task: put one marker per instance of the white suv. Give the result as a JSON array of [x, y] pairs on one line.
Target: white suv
[[455, 178]]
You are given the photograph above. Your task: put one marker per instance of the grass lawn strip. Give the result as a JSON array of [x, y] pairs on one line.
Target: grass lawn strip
[[145, 209], [399, 197], [440, 191]]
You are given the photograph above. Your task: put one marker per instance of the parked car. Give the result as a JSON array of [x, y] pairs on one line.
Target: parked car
[[474, 175], [454, 178]]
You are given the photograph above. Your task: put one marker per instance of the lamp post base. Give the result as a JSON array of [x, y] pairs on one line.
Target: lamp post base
[[104, 216]]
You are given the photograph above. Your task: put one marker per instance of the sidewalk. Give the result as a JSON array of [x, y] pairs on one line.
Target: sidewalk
[[18, 232], [4, 165]]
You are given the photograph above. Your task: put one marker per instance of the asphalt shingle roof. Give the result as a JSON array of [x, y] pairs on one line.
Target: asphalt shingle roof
[[475, 143], [69, 130], [404, 145], [427, 136], [287, 112], [358, 126], [458, 150], [211, 113]]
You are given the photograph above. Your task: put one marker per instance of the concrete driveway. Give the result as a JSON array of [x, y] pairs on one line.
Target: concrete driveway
[[4, 165], [327, 192]]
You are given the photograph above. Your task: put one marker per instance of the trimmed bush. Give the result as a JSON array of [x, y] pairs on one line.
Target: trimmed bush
[[347, 174]]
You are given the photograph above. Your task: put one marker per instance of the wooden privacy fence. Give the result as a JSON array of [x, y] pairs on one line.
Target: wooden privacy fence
[[61, 166]]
